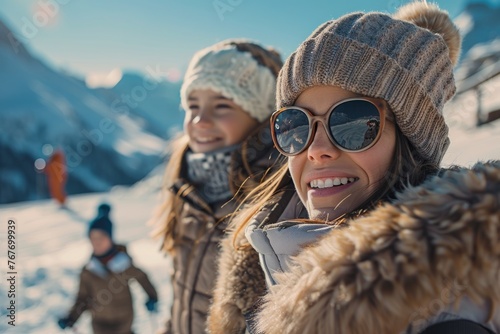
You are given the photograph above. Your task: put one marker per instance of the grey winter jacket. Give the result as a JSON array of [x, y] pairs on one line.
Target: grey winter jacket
[[277, 243]]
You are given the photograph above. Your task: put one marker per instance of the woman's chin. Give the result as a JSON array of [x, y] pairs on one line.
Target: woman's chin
[[205, 147], [326, 214], [328, 208]]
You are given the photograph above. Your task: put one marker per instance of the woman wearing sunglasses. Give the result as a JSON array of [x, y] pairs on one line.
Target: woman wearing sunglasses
[[363, 231]]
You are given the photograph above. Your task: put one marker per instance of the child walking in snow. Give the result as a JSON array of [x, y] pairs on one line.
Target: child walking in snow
[[104, 289], [228, 95]]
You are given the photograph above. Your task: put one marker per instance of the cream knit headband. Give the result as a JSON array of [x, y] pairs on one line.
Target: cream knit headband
[[235, 75]]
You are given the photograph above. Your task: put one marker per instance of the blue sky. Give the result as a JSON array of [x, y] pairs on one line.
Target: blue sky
[[86, 37]]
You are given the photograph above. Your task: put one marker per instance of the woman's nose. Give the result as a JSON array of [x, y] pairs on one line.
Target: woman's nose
[[321, 147], [202, 119]]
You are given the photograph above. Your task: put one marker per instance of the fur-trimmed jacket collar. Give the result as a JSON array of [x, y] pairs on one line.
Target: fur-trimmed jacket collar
[[431, 255]]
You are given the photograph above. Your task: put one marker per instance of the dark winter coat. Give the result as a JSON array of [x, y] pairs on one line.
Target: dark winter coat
[[201, 228], [104, 291], [430, 256]]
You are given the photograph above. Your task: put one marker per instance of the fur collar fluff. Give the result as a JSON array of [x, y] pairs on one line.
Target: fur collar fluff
[[387, 269]]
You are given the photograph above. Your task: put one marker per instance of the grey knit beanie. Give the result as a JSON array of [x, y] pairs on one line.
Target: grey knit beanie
[[406, 59]]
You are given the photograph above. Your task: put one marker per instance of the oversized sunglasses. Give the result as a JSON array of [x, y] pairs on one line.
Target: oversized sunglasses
[[352, 125]]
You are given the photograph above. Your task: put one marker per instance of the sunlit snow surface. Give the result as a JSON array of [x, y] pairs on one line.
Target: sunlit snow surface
[[52, 247]]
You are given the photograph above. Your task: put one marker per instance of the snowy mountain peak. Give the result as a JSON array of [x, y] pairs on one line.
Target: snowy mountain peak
[[103, 80], [9, 42], [106, 141]]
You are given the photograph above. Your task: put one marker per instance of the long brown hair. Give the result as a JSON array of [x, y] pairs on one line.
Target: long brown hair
[[405, 170], [166, 217]]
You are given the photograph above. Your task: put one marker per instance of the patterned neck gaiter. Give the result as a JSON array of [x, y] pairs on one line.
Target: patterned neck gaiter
[[209, 173]]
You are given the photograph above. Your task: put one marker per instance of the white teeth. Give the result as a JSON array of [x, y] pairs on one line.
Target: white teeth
[[206, 139], [328, 183]]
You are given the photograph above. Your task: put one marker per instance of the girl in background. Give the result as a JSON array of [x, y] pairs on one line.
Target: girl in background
[[228, 94]]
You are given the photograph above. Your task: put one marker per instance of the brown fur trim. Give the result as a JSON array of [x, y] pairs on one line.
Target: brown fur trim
[[379, 273], [239, 286]]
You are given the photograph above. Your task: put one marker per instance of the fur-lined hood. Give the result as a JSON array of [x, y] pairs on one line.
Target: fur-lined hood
[[402, 264]]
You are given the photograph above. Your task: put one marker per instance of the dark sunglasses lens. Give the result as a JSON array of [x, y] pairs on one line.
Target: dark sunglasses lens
[[355, 124], [291, 128]]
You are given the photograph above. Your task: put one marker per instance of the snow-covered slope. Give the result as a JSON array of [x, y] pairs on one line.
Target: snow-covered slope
[[104, 146], [154, 103], [479, 25], [52, 247]]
